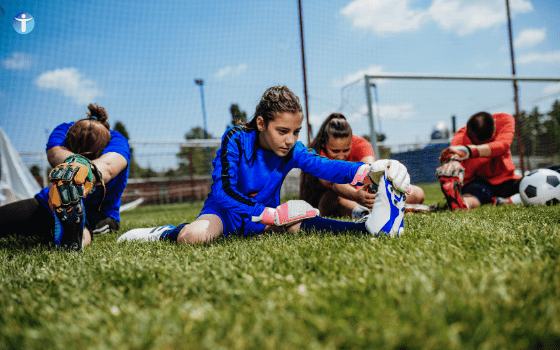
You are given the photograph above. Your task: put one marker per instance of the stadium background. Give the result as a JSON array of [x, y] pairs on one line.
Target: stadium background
[[140, 59]]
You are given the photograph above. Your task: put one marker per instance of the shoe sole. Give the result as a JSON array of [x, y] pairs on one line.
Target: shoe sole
[[455, 200], [69, 226]]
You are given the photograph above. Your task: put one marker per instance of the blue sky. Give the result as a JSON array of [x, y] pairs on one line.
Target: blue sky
[[139, 60]]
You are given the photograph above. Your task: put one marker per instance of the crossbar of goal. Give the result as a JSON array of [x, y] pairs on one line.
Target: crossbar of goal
[[416, 76]]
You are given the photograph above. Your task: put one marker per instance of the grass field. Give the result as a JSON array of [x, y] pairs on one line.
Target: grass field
[[485, 279]]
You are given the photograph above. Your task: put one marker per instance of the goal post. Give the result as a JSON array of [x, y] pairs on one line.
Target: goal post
[[370, 82]]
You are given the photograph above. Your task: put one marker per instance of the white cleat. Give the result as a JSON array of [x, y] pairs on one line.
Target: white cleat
[[145, 234], [387, 215]]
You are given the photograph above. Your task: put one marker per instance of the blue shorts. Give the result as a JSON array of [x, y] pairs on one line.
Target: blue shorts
[[233, 223]]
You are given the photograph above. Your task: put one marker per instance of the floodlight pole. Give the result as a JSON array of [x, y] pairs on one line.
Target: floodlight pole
[[373, 137], [520, 149], [200, 83], [309, 132]]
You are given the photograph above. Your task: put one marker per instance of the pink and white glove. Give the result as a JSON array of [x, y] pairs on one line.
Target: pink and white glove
[[394, 171], [288, 213]]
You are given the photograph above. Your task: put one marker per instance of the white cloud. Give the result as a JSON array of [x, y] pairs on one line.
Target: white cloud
[[353, 77], [19, 60], [397, 112], [551, 89], [551, 57], [70, 82], [461, 16], [529, 38], [468, 16], [384, 16], [394, 112], [233, 71]]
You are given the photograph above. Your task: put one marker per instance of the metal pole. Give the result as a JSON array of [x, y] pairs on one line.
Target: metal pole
[[200, 83], [373, 137], [309, 132], [520, 149]]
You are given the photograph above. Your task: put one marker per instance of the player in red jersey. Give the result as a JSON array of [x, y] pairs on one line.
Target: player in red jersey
[[478, 167]]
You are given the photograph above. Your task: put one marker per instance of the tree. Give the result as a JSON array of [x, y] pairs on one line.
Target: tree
[[134, 169], [237, 115], [196, 155]]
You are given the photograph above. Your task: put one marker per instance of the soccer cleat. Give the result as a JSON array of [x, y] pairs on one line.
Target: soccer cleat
[[451, 188], [145, 234], [360, 212], [69, 223], [501, 200], [387, 215]]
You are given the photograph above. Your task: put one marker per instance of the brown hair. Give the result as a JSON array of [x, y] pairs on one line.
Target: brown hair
[[90, 136], [336, 126], [482, 126], [274, 101]]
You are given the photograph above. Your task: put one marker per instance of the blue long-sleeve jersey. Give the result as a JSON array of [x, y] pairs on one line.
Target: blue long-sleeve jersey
[[248, 178]]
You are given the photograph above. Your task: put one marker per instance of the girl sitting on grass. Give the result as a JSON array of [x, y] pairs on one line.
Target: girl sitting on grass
[[335, 140], [90, 173], [249, 169]]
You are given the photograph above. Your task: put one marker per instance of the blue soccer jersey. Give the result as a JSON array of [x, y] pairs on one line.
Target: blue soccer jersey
[[114, 188], [247, 178]]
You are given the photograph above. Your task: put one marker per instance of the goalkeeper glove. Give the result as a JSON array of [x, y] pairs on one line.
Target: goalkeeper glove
[[458, 153], [288, 213], [394, 171], [71, 180]]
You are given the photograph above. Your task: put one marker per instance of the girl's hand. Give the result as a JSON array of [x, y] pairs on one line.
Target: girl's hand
[[363, 197]]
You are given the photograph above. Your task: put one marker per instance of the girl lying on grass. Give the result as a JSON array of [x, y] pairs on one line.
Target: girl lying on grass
[[249, 169]]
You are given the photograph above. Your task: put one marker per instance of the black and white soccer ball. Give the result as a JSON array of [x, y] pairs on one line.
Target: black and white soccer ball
[[540, 186]]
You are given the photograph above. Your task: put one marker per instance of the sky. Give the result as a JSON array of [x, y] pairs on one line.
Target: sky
[[139, 60]]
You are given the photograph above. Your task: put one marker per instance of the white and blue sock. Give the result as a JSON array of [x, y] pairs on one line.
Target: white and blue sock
[[172, 234]]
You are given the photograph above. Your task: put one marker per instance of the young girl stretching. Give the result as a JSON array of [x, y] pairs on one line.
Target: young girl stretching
[[251, 165], [335, 140]]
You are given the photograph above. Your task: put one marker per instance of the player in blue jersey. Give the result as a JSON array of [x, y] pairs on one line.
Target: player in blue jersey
[[249, 169], [90, 173]]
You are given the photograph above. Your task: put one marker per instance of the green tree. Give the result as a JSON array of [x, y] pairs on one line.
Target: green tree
[[134, 170], [552, 131], [198, 155], [237, 115]]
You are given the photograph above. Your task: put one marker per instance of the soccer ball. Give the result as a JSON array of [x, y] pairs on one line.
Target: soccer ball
[[540, 186]]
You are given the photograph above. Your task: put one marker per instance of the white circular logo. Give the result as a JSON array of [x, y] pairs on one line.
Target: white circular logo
[[23, 23]]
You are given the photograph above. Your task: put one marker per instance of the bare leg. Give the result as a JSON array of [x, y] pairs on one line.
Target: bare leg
[[416, 197], [472, 201], [205, 228], [87, 237]]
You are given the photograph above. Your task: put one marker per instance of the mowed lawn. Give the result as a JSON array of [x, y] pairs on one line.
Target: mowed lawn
[[485, 279]]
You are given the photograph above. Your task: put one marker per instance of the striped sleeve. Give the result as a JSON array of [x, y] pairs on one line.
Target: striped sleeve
[[225, 177]]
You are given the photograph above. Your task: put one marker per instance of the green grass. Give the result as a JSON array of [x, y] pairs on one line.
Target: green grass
[[485, 279]]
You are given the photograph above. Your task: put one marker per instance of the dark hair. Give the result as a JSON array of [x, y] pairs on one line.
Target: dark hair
[[334, 126], [274, 101], [90, 136], [482, 126]]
